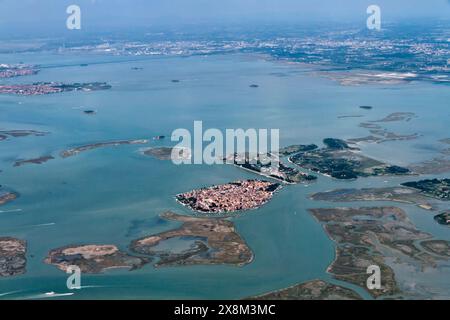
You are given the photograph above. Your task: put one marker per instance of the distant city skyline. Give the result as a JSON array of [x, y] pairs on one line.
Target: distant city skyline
[[28, 16]]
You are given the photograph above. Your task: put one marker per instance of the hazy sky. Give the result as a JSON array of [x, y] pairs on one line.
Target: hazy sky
[[17, 15]]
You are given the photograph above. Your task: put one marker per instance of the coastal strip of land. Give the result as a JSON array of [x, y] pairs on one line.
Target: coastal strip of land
[[427, 194], [310, 290], [17, 70], [77, 150], [380, 136], [5, 134], [42, 88], [39, 160], [435, 188], [168, 153]]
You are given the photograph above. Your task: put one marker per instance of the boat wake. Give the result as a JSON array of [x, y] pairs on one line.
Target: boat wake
[[10, 211], [9, 293], [50, 294], [44, 224]]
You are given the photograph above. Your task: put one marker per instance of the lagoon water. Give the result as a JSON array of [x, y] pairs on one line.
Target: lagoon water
[[114, 195]]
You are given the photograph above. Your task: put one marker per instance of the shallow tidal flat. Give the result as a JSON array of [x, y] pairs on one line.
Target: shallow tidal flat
[[380, 134], [382, 236], [202, 241], [434, 166], [437, 165]]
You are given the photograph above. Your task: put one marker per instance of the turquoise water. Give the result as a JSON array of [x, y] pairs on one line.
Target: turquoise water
[[114, 195]]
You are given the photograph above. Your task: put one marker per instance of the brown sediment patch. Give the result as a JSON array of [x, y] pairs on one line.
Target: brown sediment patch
[[93, 258], [6, 197], [12, 256]]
